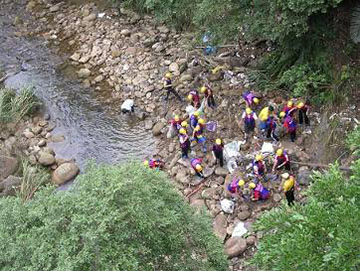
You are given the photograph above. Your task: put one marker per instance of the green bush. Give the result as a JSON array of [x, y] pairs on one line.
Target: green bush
[[353, 140], [115, 218], [14, 106], [322, 235]]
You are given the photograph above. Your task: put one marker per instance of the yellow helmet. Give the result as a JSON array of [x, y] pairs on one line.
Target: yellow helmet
[[197, 128], [252, 185], [248, 110], [182, 131], [300, 105], [146, 163], [256, 100], [203, 89], [241, 182], [258, 157], [190, 97], [184, 123], [282, 114], [218, 141], [168, 75], [290, 103], [176, 118], [285, 175], [201, 121], [198, 167], [279, 152], [196, 113]]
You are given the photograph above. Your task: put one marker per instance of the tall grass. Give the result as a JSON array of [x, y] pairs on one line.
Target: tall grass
[[33, 177], [14, 107]]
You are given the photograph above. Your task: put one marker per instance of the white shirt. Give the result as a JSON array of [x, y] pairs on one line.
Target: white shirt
[[127, 104]]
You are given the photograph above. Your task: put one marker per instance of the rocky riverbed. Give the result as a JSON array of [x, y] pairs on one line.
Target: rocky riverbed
[[123, 55]]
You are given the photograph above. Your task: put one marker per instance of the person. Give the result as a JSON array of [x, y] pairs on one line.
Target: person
[[200, 139], [209, 96], [154, 164], [185, 125], [176, 122], [259, 167], [184, 143], [196, 165], [303, 112], [259, 192], [249, 117], [194, 119], [289, 108], [217, 151], [288, 187], [169, 87], [271, 128], [250, 98], [281, 160], [127, 106], [235, 185], [194, 98], [264, 115], [290, 125]]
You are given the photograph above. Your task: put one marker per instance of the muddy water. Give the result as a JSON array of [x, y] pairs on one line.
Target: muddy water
[[92, 129]]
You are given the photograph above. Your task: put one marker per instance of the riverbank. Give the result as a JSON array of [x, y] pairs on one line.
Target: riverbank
[[124, 56]]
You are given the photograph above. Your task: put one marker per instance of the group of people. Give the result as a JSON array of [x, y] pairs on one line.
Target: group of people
[[193, 130]]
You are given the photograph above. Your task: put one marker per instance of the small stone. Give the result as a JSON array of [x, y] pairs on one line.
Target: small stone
[[46, 159], [90, 17], [235, 246], [244, 215], [115, 53], [84, 73], [156, 130], [42, 143], [174, 67], [125, 32], [185, 78], [220, 171], [277, 197], [54, 8], [148, 124], [99, 78], [28, 134], [220, 226], [75, 57], [84, 59], [65, 172], [250, 240], [36, 130]]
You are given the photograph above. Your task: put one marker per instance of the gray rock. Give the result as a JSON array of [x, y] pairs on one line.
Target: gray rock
[[42, 143], [277, 197], [250, 240], [36, 130], [99, 78], [54, 8], [90, 17], [303, 177], [84, 59], [125, 32], [220, 171], [28, 134], [244, 215], [220, 226], [235, 246], [185, 78], [9, 186], [148, 124], [208, 171], [65, 172], [156, 130], [75, 57], [84, 73], [198, 204], [46, 159], [8, 166], [174, 67]]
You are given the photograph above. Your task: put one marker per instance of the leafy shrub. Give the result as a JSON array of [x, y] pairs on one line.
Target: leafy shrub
[[353, 140], [114, 218], [321, 235]]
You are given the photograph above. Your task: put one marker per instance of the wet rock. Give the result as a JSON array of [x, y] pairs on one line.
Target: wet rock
[[156, 130], [64, 173], [10, 185], [277, 197], [42, 143], [50, 127], [220, 225], [84, 73], [8, 166], [57, 138], [303, 177], [43, 123], [28, 134], [220, 171], [235, 246], [148, 124], [90, 17], [244, 215], [46, 159]]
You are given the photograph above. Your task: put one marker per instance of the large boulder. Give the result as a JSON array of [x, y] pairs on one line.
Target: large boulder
[[156, 130], [46, 159], [8, 166], [235, 246], [65, 172], [220, 225], [9, 186]]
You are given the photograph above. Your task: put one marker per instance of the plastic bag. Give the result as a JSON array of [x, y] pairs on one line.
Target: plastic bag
[[239, 230], [227, 206], [267, 148]]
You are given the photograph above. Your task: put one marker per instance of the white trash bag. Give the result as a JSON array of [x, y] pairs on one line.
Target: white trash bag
[[239, 230], [227, 206]]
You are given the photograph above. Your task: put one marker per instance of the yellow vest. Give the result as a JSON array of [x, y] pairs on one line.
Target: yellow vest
[[264, 114], [288, 184]]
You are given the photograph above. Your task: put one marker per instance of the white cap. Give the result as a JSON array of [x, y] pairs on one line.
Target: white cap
[[285, 175]]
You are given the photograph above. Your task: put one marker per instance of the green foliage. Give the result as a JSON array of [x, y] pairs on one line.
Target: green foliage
[[14, 106], [355, 25], [114, 218], [33, 177], [353, 140], [322, 235]]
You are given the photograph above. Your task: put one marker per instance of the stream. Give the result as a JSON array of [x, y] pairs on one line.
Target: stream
[[92, 129]]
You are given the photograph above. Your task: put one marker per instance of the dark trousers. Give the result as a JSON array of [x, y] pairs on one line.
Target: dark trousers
[[290, 196], [199, 174], [211, 101], [184, 152], [249, 127], [292, 135], [173, 92], [271, 134], [219, 156], [303, 116]]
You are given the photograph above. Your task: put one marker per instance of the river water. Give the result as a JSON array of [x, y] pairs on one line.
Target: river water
[[92, 129]]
